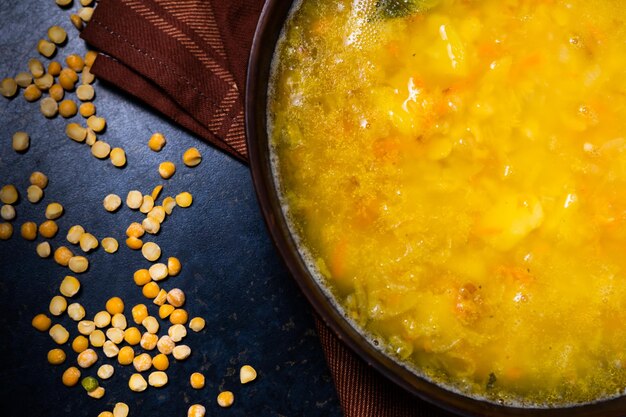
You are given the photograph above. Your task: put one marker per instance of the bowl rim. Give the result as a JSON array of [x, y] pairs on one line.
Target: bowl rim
[[269, 27]]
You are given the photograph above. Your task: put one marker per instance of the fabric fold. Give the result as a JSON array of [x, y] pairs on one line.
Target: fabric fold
[[124, 78], [187, 56], [362, 391]]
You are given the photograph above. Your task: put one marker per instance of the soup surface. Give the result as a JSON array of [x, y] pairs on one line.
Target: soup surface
[[456, 169]]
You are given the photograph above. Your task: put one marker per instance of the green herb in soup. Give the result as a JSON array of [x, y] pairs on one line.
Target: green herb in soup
[[402, 8], [457, 172]]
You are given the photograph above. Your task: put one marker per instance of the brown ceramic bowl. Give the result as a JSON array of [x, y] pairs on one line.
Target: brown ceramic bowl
[[268, 30]]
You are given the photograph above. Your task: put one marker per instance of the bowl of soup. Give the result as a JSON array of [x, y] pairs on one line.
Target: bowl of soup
[[446, 180]]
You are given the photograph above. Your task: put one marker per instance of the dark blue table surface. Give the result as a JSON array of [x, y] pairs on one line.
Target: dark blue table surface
[[231, 272]]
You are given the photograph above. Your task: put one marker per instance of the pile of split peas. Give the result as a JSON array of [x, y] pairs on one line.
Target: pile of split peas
[[122, 334]]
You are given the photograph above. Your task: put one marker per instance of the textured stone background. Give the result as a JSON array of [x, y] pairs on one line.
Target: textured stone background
[[231, 273]]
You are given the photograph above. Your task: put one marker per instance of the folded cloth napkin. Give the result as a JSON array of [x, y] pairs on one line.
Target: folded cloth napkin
[[187, 59]]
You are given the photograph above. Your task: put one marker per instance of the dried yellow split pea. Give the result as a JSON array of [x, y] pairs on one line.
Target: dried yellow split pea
[[112, 202], [192, 157], [167, 169], [157, 142], [21, 141], [225, 399]]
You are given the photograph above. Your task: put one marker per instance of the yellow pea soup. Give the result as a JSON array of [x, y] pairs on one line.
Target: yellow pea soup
[[456, 170]]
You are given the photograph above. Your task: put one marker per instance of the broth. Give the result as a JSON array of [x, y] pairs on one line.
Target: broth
[[457, 171]]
